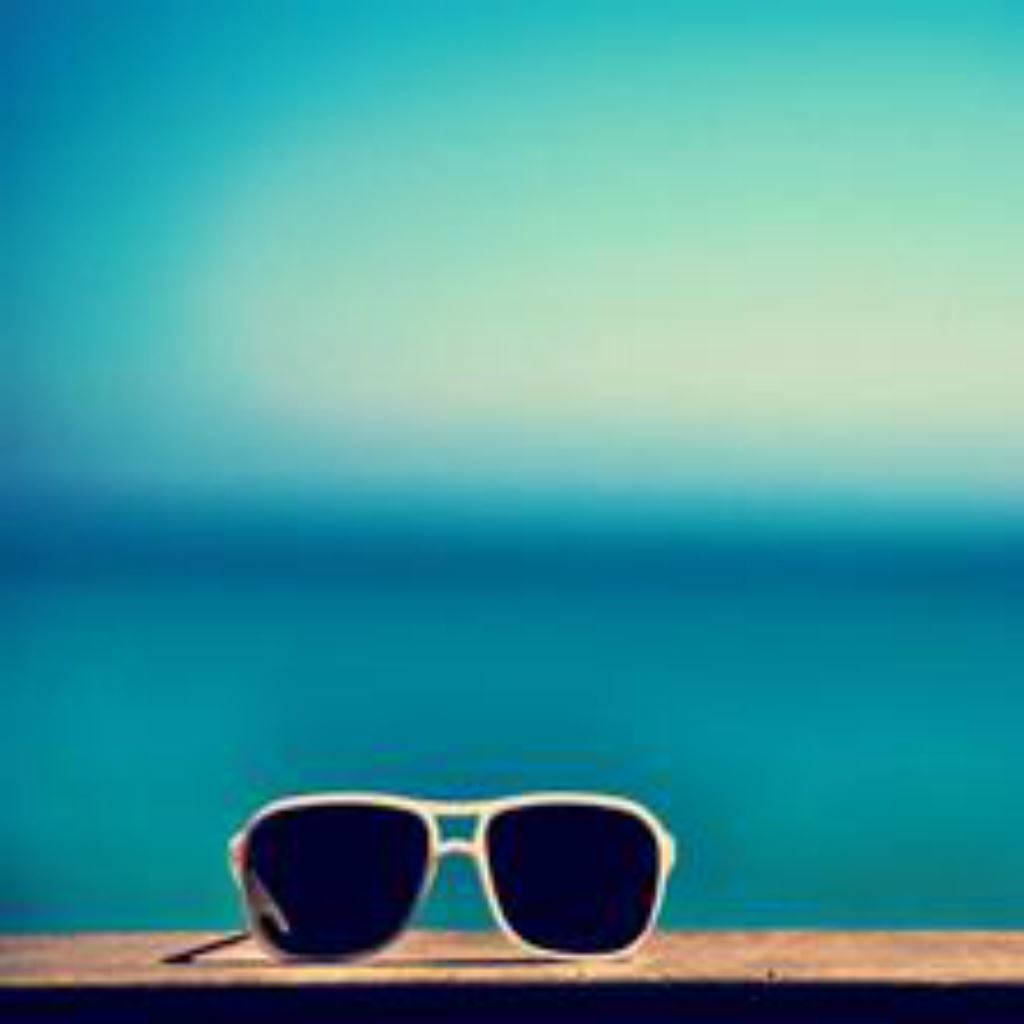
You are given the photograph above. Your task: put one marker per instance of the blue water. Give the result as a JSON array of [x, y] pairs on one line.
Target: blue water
[[834, 735]]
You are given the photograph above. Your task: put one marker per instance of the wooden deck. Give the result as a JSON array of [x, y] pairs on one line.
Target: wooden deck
[[867, 977]]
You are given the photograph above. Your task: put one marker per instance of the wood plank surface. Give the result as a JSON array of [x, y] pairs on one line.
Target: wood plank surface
[[446, 958], [763, 975]]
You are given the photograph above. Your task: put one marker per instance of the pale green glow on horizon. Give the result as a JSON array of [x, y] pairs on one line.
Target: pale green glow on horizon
[[776, 258]]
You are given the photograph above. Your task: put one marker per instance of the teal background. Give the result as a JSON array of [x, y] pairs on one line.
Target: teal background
[[465, 398]]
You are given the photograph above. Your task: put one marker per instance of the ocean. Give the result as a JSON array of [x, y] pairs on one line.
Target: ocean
[[831, 729]]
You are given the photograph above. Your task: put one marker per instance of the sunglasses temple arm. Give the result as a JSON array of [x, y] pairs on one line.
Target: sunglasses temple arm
[[187, 956], [262, 901]]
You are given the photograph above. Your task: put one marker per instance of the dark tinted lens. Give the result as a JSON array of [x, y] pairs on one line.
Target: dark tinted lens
[[574, 878], [335, 880]]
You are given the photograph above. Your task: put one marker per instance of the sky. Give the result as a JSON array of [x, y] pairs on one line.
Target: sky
[[592, 252]]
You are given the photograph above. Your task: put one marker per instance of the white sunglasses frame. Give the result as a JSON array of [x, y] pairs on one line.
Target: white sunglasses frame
[[430, 812]]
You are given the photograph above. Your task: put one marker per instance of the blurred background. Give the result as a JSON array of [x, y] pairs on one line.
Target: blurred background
[[459, 398]]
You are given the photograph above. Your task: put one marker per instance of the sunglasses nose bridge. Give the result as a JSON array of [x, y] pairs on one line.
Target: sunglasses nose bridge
[[458, 848]]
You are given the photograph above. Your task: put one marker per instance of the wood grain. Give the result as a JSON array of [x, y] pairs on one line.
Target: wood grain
[[447, 958], [763, 975]]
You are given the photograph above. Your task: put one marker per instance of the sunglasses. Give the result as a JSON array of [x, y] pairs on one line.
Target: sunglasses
[[338, 875]]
